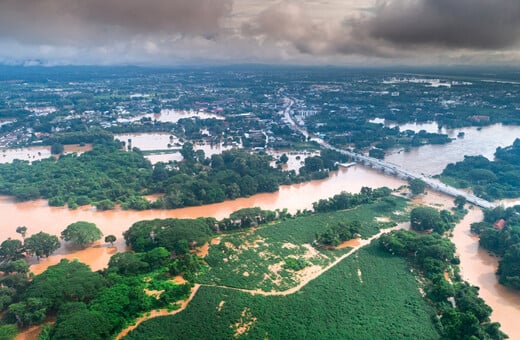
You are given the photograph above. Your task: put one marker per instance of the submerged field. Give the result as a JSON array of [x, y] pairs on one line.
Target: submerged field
[[369, 295]]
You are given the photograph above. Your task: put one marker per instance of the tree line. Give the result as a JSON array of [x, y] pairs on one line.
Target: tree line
[[108, 176], [490, 180], [500, 234]]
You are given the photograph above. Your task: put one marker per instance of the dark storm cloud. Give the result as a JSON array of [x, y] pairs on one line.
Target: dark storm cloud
[[394, 28], [289, 22], [473, 24], [83, 21]]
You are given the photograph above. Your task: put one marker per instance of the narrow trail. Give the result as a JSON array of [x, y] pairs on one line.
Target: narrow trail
[[159, 312], [303, 283]]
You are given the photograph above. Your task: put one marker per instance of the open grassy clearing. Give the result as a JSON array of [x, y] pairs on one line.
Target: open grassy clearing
[[370, 295], [278, 256]]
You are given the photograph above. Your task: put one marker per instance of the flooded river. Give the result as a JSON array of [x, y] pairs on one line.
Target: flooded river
[[432, 159], [476, 265], [38, 216]]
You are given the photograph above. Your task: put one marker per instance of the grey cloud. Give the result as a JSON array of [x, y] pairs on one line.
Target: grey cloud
[[290, 23], [79, 22], [393, 28], [473, 24]]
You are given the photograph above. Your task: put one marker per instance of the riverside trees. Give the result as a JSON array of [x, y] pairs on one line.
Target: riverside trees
[[81, 233]]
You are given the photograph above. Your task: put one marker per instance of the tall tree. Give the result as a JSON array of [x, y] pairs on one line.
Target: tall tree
[[81, 233], [41, 244], [22, 230], [10, 249], [417, 186]]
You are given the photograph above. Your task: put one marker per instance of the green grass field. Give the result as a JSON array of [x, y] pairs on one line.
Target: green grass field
[[370, 295], [257, 259]]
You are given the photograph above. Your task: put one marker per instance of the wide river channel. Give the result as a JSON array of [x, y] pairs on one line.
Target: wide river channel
[[477, 266]]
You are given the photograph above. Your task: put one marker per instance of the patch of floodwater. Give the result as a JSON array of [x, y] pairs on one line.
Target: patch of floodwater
[[432, 159], [149, 141], [171, 116], [296, 158], [164, 147], [36, 153]]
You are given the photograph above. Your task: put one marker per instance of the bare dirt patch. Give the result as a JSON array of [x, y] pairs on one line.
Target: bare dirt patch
[[245, 323], [355, 242], [154, 293], [202, 251]]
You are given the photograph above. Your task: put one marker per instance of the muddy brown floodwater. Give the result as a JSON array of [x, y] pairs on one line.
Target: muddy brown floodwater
[[38, 216], [476, 265]]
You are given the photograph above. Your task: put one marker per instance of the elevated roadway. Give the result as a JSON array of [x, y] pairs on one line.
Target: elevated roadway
[[388, 167]]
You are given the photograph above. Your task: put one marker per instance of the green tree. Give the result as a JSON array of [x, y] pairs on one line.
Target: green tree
[[11, 249], [18, 266], [110, 239], [29, 312], [105, 204], [426, 218], [81, 233], [22, 230], [460, 201], [417, 186], [187, 152], [8, 332], [68, 281], [83, 325], [284, 159], [41, 244], [57, 149], [509, 268]]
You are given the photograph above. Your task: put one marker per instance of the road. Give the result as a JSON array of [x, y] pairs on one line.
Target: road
[[388, 167]]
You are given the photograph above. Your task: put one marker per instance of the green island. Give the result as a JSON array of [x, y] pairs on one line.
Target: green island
[[108, 176], [490, 180]]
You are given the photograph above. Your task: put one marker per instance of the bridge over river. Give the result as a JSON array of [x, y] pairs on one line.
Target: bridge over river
[[388, 167]]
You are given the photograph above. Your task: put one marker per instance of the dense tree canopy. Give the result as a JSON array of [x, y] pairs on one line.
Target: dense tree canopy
[[176, 235], [427, 218], [41, 244], [81, 233], [489, 179]]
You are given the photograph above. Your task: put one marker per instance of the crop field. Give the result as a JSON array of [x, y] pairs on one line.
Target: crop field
[[369, 295], [277, 257]]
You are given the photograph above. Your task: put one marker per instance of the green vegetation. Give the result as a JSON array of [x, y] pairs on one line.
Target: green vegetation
[[500, 234], [382, 302], [347, 200], [41, 244], [108, 175], [417, 186], [110, 239], [339, 233], [81, 233], [176, 235], [92, 305], [488, 179], [266, 258], [432, 255]]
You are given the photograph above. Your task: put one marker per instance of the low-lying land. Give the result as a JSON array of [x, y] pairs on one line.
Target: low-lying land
[[371, 295]]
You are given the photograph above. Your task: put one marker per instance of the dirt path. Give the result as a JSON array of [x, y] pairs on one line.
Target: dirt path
[[316, 274], [159, 312], [303, 283]]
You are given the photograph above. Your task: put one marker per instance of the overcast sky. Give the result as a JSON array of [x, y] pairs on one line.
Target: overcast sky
[[343, 32]]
